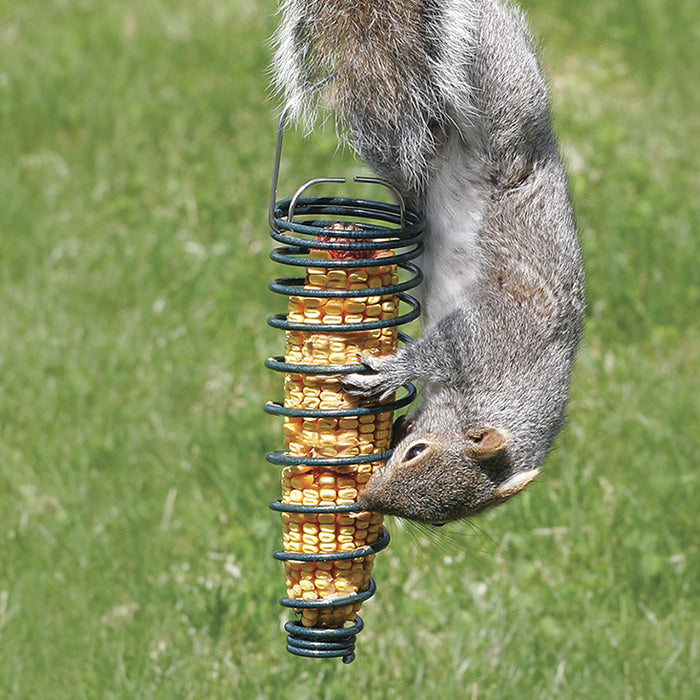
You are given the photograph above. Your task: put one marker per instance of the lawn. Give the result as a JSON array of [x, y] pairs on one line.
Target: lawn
[[136, 147]]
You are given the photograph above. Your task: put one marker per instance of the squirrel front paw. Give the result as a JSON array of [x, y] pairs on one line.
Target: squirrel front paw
[[383, 379]]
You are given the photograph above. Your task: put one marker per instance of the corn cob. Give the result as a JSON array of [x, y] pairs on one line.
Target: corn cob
[[310, 533]]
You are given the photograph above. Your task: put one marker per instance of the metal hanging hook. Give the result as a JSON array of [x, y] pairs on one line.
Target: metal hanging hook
[[278, 149], [397, 195], [276, 169], [306, 186], [368, 180], [281, 126]]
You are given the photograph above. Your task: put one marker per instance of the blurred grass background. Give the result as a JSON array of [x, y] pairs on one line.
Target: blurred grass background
[[136, 145]]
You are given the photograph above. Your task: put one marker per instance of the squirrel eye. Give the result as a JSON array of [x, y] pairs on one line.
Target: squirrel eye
[[415, 450]]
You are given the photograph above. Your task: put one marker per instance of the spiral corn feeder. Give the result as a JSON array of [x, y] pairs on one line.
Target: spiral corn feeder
[[347, 304]]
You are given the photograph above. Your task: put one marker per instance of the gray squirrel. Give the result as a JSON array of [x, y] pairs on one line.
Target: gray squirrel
[[444, 99]]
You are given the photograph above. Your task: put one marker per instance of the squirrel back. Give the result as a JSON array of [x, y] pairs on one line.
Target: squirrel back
[[445, 100]]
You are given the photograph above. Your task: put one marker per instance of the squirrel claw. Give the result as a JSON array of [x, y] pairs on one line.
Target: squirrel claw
[[364, 386], [374, 363], [377, 383], [369, 384]]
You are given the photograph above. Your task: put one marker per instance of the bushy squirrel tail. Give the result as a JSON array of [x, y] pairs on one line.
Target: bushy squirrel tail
[[387, 78]]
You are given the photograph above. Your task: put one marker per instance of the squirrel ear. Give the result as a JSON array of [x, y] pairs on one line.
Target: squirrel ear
[[484, 443], [515, 484]]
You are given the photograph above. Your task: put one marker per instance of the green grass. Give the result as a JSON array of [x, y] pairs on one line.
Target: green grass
[[136, 144]]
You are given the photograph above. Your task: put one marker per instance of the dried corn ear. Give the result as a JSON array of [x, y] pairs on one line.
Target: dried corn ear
[[329, 437]]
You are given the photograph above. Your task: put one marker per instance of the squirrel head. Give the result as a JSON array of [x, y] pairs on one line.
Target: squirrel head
[[436, 475]]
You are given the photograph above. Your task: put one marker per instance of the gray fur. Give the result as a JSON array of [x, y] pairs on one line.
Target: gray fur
[[446, 101]]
